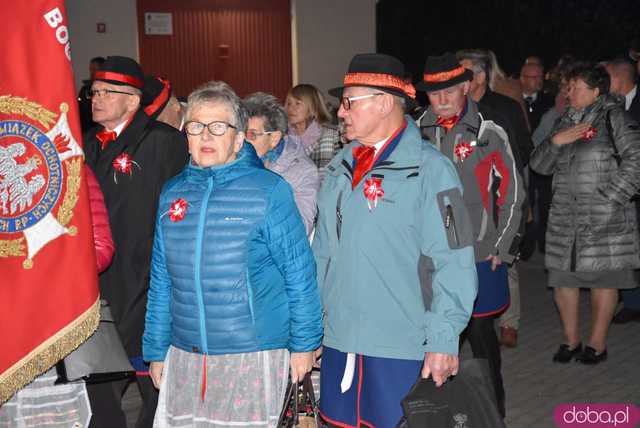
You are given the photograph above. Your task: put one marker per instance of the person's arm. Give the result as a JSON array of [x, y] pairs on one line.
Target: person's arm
[[157, 329], [289, 247], [447, 268], [510, 197], [103, 241], [625, 181], [306, 193]]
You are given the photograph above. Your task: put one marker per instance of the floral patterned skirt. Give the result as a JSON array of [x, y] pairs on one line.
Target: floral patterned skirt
[[241, 390]]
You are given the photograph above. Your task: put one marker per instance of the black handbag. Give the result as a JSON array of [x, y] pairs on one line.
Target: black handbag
[[101, 358], [466, 400], [300, 408]]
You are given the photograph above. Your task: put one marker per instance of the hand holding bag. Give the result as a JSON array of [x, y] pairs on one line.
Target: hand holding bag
[[300, 408]]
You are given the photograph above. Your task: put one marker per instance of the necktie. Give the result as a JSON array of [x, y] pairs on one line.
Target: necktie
[[105, 137], [448, 123], [529, 101], [364, 156]]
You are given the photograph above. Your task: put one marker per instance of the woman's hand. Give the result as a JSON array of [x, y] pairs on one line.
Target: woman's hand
[[301, 364], [155, 371], [569, 135]]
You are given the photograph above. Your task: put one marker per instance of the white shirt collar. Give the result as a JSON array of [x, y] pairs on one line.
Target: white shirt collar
[[628, 99], [379, 144], [533, 96]]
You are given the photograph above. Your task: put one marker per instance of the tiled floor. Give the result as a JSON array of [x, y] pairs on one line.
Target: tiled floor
[[534, 385]]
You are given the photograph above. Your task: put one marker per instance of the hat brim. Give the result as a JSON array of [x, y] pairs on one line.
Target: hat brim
[[411, 103], [436, 86]]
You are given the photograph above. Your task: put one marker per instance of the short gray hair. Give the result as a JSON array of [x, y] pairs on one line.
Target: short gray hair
[[218, 92], [261, 104], [480, 61]]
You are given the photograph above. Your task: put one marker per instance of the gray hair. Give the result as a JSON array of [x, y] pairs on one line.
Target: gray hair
[[261, 104], [218, 92], [480, 61]]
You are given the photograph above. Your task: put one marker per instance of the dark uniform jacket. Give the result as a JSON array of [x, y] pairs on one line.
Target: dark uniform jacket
[[159, 152]]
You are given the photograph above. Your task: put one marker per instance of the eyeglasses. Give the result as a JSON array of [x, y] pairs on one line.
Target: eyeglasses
[[217, 128], [100, 93], [346, 101], [252, 134]]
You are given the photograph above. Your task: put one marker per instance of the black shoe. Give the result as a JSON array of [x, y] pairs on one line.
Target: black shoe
[[626, 315], [590, 357], [564, 354]]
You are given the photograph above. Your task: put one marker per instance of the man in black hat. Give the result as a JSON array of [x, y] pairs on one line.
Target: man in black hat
[[493, 193], [394, 253], [132, 157]]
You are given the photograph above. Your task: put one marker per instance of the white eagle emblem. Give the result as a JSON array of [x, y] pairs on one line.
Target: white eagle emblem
[[16, 191]]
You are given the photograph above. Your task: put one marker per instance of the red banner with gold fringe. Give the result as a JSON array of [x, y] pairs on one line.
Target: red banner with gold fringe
[[48, 281]]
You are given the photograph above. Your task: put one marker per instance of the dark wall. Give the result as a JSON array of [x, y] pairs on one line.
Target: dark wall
[[588, 29]]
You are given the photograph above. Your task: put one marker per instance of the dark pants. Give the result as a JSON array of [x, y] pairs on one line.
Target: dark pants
[[106, 403], [484, 344], [540, 192]]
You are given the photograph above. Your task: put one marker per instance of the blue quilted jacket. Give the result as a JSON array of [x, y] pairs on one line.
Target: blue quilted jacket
[[236, 274]]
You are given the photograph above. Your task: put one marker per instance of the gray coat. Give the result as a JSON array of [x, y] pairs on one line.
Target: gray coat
[[303, 177], [592, 223]]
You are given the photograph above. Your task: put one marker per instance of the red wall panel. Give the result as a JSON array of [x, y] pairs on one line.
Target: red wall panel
[[257, 33]]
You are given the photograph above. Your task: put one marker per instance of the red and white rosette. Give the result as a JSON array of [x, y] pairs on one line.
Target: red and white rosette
[[177, 210], [123, 164], [372, 191], [590, 133], [462, 150]]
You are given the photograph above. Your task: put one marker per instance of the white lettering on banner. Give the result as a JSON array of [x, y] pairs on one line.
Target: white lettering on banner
[[54, 19]]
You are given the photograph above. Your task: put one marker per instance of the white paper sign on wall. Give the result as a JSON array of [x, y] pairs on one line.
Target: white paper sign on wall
[[158, 24]]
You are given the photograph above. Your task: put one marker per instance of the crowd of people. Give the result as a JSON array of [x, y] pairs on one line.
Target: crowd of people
[[256, 239]]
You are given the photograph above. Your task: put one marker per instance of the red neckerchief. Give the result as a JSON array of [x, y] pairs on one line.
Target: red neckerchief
[[448, 123], [105, 137]]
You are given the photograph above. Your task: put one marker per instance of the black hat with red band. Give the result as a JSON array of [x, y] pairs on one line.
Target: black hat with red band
[[155, 95], [378, 71], [120, 70], [442, 72]]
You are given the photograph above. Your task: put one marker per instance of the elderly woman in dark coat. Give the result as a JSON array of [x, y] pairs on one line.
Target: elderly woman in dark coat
[[592, 236]]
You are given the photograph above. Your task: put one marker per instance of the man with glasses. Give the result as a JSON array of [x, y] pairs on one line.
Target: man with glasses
[[132, 157], [394, 253]]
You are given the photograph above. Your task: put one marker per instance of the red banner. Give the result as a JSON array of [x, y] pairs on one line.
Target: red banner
[[48, 282]]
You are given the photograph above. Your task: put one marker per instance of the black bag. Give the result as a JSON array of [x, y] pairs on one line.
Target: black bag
[[101, 358], [300, 408], [467, 400]]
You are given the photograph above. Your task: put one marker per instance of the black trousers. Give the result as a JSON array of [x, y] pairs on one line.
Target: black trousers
[[540, 192], [106, 403], [482, 337]]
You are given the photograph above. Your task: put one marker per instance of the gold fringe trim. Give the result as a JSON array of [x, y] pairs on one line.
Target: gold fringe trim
[[50, 352]]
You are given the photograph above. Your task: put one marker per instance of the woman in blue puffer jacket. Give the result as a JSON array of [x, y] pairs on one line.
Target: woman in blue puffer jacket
[[233, 300]]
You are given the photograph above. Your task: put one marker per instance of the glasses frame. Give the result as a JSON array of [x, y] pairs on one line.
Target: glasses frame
[[90, 94], [257, 134], [227, 125], [345, 102]]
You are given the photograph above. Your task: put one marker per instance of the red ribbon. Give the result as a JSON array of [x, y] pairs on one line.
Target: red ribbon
[[448, 123], [373, 190], [105, 137], [380, 79], [118, 77], [161, 99]]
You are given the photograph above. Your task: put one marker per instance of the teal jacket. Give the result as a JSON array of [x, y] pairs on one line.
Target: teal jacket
[[397, 279]]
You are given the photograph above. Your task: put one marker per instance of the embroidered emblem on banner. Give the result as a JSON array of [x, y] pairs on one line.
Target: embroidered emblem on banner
[[40, 165]]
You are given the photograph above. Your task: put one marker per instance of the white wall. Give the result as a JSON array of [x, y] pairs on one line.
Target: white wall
[[121, 37], [327, 33]]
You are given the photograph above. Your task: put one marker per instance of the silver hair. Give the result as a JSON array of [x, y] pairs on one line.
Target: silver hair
[[218, 92], [480, 61], [261, 104]]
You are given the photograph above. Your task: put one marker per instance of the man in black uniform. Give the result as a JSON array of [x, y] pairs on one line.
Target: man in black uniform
[[132, 157]]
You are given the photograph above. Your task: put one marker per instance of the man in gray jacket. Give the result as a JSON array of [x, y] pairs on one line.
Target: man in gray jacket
[[493, 194]]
